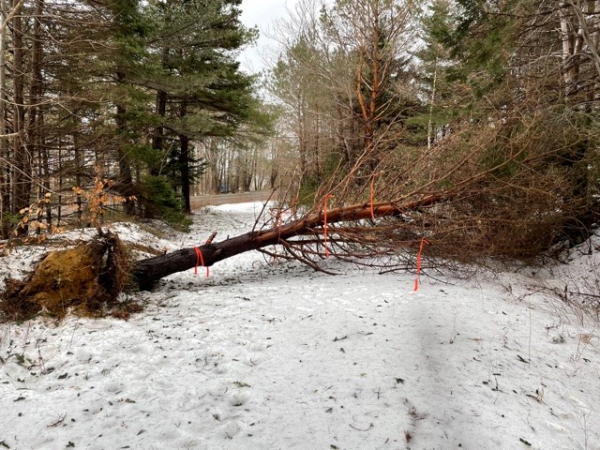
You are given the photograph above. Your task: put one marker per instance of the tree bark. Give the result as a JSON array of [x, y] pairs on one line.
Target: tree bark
[[161, 112], [159, 132], [184, 165], [4, 173], [216, 179], [125, 173], [148, 271], [23, 166], [35, 138]]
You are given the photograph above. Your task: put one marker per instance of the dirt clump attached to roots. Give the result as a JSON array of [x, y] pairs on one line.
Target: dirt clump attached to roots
[[85, 280]]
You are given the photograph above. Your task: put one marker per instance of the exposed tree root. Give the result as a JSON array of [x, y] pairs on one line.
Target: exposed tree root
[[86, 280]]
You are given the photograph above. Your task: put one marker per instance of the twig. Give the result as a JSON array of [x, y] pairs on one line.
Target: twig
[[60, 420], [358, 429]]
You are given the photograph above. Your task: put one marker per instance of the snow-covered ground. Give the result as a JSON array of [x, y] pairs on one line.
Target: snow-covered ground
[[276, 356]]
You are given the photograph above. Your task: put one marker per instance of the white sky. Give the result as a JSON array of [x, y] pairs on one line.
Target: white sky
[[262, 13]]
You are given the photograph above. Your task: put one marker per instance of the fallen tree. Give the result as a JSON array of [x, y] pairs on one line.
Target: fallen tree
[[88, 278], [316, 222], [515, 205], [146, 272]]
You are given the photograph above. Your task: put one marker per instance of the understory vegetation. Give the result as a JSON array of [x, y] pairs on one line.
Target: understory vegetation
[[489, 107]]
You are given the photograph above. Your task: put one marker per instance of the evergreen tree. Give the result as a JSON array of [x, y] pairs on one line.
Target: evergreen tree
[[509, 80], [130, 65], [200, 92]]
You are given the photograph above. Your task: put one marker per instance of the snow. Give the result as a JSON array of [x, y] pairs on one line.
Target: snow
[[265, 355]]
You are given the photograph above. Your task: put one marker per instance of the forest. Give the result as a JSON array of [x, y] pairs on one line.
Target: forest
[[472, 124], [441, 158]]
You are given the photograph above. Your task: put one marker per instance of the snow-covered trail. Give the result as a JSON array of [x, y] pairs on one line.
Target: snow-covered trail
[[280, 357]]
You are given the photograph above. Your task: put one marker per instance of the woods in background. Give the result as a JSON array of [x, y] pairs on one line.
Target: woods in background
[[126, 89], [491, 106], [488, 110]]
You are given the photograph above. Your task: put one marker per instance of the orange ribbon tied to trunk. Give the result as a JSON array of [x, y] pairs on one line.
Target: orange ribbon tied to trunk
[[200, 261], [200, 256], [423, 243]]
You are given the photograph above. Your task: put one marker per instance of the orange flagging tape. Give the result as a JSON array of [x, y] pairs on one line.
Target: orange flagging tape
[[423, 242], [328, 196], [200, 261]]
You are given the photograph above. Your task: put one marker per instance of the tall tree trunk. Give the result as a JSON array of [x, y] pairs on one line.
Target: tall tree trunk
[[589, 29], [60, 182], [184, 164], [317, 145], [23, 165], [79, 168], [125, 174], [216, 179], [568, 47], [46, 175], [368, 91], [301, 133], [161, 111], [34, 133], [430, 125], [5, 206], [158, 138]]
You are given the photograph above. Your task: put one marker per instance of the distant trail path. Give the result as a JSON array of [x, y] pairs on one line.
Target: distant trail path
[[222, 199]]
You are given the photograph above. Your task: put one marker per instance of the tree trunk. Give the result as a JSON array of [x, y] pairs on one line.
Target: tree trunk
[[568, 48], [4, 174], [125, 174], [23, 166], [34, 127], [161, 111], [430, 126], [184, 165], [300, 131], [158, 138], [148, 271], [216, 179], [46, 175]]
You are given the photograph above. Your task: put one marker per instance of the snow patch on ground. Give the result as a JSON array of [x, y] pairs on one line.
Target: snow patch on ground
[[276, 356]]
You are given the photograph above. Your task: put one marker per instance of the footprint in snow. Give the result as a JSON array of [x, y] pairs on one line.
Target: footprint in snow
[[254, 359], [188, 443], [232, 428], [254, 347], [239, 397], [222, 368]]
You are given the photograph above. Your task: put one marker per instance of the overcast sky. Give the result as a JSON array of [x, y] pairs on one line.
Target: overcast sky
[[261, 13]]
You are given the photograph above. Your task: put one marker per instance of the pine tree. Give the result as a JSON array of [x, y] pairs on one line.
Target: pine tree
[[200, 90]]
